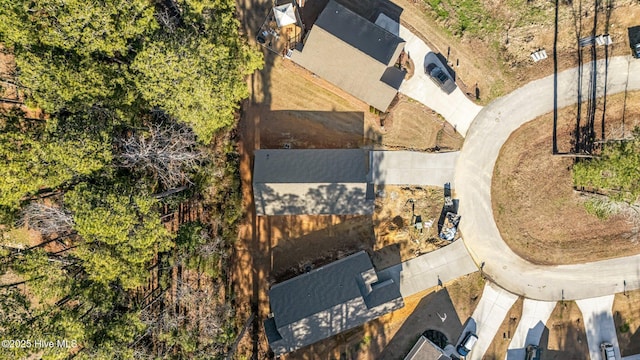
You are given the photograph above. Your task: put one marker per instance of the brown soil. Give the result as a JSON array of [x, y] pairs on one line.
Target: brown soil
[[626, 315], [396, 238], [566, 339], [538, 213], [500, 343], [493, 64]]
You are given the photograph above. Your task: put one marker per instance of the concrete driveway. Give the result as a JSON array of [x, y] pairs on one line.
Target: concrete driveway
[[490, 129], [488, 315], [412, 167], [430, 269], [599, 325], [456, 107], [530, 327]]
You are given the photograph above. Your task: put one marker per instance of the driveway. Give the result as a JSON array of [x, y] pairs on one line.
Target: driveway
[[412, 168], [456, 107], [431, 269], [599, 325], [488, 316], [490, 129], [530, 327]]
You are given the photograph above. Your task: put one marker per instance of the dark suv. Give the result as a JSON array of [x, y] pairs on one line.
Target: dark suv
[[441, 78]]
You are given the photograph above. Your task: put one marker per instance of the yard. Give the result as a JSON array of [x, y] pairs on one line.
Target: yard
[[538, 213], [488, 43]]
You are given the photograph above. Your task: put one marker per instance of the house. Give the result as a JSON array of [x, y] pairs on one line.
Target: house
[[354, 54], [327, 301], [313, 181], [426, 350]]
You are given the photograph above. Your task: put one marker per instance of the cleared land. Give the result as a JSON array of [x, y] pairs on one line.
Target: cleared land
[[538, 213], [626, 315], [566, 338], [488, 43]]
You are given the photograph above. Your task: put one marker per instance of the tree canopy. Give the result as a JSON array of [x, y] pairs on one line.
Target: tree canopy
[[617, 170]]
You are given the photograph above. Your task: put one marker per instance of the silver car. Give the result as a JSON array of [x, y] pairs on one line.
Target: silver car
[[441, 77], [607, 351]]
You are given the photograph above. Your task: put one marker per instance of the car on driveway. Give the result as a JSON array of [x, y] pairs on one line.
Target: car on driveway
[[607, 351], [533, 352], [467, 344], [441, 77]]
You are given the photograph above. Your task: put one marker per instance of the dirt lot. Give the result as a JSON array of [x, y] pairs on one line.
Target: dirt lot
[[533, 196], [626, 315], [493, 51], [396, 238], [566, 338], [307, 112]]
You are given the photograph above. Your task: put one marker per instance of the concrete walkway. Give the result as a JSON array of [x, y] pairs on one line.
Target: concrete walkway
[[530, 327], [431, 269], [456, 107], [489, 131], [412, 168], [599, 325], [488, 316]]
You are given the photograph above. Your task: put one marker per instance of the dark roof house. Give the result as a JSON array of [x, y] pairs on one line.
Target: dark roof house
[[327, 301], [426, 350], [314, 181], [353, 53]]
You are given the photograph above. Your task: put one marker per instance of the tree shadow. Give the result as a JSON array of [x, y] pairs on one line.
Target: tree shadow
[[628, 339], [426, 316]]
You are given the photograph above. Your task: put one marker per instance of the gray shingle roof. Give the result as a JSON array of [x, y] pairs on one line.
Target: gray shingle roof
[[359, 32], [293, 182], [327, 301], [354, 54], [310, 166], [425, 350]]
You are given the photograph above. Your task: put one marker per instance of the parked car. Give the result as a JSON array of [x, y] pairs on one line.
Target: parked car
[[533, 352], [441, 77], [607, 351], [467, 344], [636, 51]]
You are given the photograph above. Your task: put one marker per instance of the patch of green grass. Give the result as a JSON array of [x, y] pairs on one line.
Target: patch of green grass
[[624, 328]]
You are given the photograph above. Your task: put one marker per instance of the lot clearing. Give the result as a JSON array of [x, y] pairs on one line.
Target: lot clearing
[[539, 214], [566, 338]]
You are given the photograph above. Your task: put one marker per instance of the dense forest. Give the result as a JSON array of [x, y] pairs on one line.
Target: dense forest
[[119, 189]]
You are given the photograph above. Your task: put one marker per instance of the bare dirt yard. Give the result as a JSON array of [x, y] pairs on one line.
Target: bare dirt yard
[[566, 338], [626, 315], [396, 211], [488, 43], [539, 214], [307, 112]]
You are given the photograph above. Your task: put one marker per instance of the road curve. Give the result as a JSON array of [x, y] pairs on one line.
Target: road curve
[[488, 132]]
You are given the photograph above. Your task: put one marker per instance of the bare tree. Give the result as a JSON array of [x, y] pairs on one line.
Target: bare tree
[[169, 152], [46, 219]]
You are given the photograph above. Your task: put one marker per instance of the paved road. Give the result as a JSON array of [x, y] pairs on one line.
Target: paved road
[[599, 325], [474, 170], [423, 272], [413, 167], [530, 327], [456, 108], [488, 316]]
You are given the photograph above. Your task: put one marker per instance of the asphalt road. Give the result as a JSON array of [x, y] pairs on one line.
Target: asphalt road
[[486, 135]]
